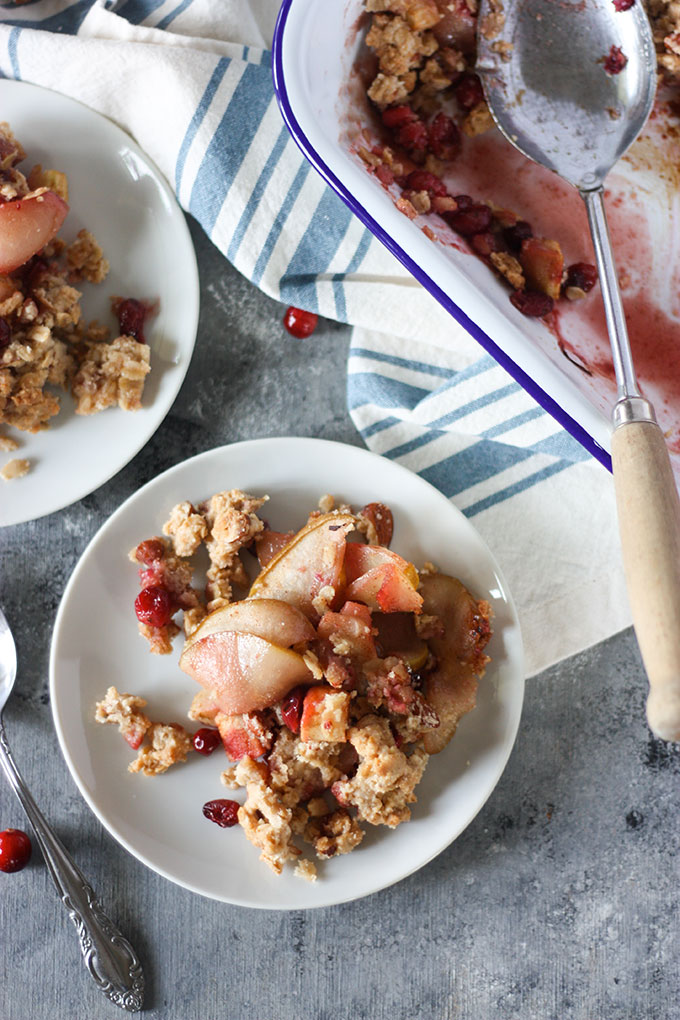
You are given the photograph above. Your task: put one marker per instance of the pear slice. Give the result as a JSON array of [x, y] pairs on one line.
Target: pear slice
[[271, 619], [451, 688], [243, 672], [310, 562], [27, 224]]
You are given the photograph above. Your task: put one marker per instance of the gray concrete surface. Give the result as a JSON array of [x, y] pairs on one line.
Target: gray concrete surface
[[559, 902]]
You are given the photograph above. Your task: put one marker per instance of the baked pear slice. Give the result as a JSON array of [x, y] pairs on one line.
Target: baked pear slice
[[451, 689], [243, 672], [311, 564], [271, 619]]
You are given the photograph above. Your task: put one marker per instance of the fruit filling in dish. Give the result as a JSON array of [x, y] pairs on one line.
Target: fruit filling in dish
[[45, 345], [328, 680], [429, 106]]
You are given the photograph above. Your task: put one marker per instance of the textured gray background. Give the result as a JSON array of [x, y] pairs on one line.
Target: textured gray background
[[560, 901]]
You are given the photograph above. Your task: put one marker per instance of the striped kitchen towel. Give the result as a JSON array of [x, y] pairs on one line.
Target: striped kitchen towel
[[190, 80]]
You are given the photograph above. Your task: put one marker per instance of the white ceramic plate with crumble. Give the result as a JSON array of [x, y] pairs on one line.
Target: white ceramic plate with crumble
[[121, 197], [96, 644]]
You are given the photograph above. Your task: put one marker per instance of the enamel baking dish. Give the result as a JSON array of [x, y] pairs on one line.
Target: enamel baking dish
[[565, 366]]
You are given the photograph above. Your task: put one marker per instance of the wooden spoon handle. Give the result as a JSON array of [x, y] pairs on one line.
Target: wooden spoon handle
[[649, 522]]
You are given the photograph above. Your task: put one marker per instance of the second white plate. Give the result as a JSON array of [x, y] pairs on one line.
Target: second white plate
[[96, 644], [120, 196]]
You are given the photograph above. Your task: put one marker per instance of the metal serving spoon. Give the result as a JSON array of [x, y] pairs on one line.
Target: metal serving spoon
[[542, 66], [108, 956]]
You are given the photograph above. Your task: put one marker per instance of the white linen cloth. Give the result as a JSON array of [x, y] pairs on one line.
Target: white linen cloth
[[190, 80]]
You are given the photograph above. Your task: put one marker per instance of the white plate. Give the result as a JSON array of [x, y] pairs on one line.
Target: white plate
[[122, 198], [96, 644]]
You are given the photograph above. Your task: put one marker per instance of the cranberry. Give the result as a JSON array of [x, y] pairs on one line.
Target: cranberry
[[516, 234], [153, 606], [291, 708], [469, 91], [413, 136], [623, 5], [15, 850], [444, 137], [5, 334], [473, 220], [385, 174], [206, 740], [463, 201], [150, 551], [299, 323], [222, 811], [423, 180], [531, 303], [616, 61], [485, 243], [33, 272], [397, 116], [581, 275], [131, 315]]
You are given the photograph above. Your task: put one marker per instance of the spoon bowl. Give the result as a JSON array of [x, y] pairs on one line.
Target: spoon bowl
[[545, 79]]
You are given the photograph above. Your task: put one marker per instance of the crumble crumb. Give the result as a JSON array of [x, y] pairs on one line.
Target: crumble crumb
[[170, 743], [111, 374], [383, 785], [187, 528], [126, 711], [509, 267], [15, 468], [85, 259]]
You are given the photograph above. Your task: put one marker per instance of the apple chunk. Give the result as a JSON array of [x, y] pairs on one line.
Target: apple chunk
[[543, 264], [310, 564], [26, 225], [451, 689], [381, 579], [360, 558], [242, 671], [325, 715], [271, 619], [386, 588]]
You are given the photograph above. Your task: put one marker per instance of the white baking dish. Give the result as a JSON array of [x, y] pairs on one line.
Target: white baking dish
[[315, 49]]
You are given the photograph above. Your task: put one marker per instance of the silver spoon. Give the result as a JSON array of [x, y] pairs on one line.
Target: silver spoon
[[109, 957], [542, 66]]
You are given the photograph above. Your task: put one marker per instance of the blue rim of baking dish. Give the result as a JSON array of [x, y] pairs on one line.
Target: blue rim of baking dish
[[490, 346]]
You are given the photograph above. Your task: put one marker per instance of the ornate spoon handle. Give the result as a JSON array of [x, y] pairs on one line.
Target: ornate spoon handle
[[108, 956]]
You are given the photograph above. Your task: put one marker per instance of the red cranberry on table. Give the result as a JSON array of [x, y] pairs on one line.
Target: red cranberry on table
[[206, 740], [300, 323], [623, 5], [153, 606], [15, 850], [222, 811]]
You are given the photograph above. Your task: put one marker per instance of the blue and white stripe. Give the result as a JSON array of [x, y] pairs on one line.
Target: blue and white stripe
[[473, 432]]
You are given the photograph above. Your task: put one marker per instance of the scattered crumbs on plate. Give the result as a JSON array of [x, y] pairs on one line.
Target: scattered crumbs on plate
[[15, 468]]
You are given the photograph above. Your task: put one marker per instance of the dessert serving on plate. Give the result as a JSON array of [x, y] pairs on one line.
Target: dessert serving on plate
[[328, 685], [45, 344]]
